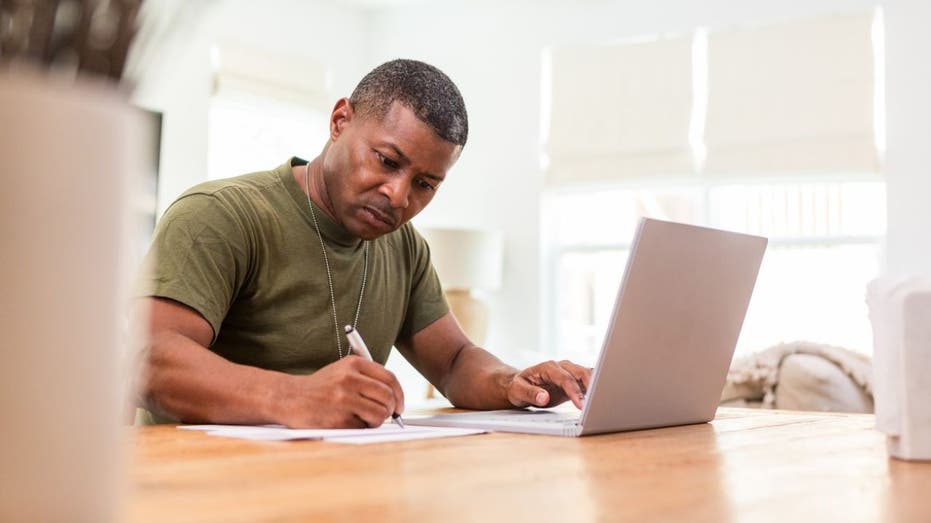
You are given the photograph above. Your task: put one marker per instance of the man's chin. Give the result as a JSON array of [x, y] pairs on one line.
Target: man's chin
[[368, 232]]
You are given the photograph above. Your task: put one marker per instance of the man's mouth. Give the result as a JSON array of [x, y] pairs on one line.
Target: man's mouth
[[381, 216]]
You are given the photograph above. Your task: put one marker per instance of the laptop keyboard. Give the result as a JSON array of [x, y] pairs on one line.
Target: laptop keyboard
[[559, 418]]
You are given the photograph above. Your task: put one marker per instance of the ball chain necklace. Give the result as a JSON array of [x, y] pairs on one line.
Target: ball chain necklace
[[329, 277]]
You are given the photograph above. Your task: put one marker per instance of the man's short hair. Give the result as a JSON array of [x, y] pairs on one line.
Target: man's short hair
[[420, 87]]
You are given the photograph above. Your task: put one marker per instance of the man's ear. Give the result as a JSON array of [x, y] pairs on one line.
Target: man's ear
[[341, 115]]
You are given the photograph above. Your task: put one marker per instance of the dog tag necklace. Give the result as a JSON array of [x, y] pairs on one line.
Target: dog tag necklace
[[326, 264]]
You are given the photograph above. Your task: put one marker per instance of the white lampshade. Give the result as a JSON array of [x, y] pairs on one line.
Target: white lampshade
[[466, 258]]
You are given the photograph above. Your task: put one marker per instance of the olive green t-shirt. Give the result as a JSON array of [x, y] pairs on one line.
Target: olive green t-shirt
[[243, 252]]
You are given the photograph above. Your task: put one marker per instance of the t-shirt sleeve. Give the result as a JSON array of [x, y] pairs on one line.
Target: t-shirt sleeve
[[198, 257], [427, 303]]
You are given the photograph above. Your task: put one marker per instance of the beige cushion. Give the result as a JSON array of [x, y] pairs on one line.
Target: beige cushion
[[810, 382]]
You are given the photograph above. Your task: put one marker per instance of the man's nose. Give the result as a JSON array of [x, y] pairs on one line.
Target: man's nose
[[397, 190]]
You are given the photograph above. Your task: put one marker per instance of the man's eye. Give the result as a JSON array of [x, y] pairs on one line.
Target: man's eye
[[426, 185], [387, 162]]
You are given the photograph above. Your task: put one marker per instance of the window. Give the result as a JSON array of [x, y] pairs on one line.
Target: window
[[825, 245], [262, 112], [775, 131], [249, 132]]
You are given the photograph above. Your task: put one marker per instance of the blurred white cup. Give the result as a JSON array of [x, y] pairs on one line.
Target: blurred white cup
[[68, 153], [900, 312]]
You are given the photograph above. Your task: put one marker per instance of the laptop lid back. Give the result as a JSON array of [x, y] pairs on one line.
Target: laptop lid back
[[679, 311]]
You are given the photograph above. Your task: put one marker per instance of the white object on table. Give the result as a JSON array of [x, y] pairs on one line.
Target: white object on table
[[380, 434], [900, 312]]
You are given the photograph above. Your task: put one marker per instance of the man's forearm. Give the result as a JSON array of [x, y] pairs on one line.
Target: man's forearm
[[478, 380], [187, 382]]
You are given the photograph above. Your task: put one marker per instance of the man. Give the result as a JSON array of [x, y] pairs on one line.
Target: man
[[252, 279]]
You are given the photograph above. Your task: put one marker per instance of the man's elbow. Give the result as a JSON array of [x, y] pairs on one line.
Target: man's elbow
[[153, 374]]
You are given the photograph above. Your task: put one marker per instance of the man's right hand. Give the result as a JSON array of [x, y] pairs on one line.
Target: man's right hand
[[184, 380], [350, 393]]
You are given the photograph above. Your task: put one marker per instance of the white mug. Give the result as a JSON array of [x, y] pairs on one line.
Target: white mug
[[68, 151], [900, 311]]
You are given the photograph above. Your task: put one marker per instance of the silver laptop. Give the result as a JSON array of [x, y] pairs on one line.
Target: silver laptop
[[669, 344]]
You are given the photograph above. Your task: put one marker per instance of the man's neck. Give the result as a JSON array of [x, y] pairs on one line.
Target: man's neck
[[315, 187]]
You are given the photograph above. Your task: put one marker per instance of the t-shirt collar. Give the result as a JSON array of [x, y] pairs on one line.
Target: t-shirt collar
[[331, 231]]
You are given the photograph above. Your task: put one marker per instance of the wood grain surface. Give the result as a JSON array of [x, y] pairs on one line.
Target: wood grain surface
[[746, 465]]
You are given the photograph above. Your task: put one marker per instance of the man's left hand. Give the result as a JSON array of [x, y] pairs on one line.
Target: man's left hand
[[548, 384]]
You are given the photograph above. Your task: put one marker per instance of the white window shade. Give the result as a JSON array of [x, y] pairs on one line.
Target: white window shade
[[620, 111], [266, 107], [246, 72], [795, 97]]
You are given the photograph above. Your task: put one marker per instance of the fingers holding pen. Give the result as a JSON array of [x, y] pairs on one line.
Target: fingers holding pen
[[357, 345], [386, 389], [351, 392]]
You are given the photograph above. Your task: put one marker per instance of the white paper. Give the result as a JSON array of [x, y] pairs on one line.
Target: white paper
[[385, 433], [405, 434]]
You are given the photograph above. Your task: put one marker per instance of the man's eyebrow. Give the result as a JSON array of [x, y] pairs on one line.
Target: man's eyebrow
[[402, 156], [397, 151]]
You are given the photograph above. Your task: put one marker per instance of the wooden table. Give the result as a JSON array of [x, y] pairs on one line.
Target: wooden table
[[746, 465]]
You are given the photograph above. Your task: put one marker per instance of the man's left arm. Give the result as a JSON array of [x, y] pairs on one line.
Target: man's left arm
[[472, 378]]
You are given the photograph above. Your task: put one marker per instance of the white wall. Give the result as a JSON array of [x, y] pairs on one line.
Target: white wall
[[179, 83], [908, 120]]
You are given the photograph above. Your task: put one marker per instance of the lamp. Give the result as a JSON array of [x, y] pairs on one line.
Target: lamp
[[466, 261]]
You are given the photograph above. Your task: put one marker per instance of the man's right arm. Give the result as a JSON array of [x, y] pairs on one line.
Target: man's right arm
[[185, 380]]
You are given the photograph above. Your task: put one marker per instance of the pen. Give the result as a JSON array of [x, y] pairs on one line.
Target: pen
[[357, 345]]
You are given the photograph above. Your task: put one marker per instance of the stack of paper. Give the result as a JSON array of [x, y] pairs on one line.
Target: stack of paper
[[386, 432]]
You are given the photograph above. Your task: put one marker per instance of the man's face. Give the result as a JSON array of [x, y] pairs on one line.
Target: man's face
[[380, 174]]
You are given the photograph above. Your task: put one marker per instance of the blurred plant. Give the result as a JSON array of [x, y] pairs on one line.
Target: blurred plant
[[86, 37]]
